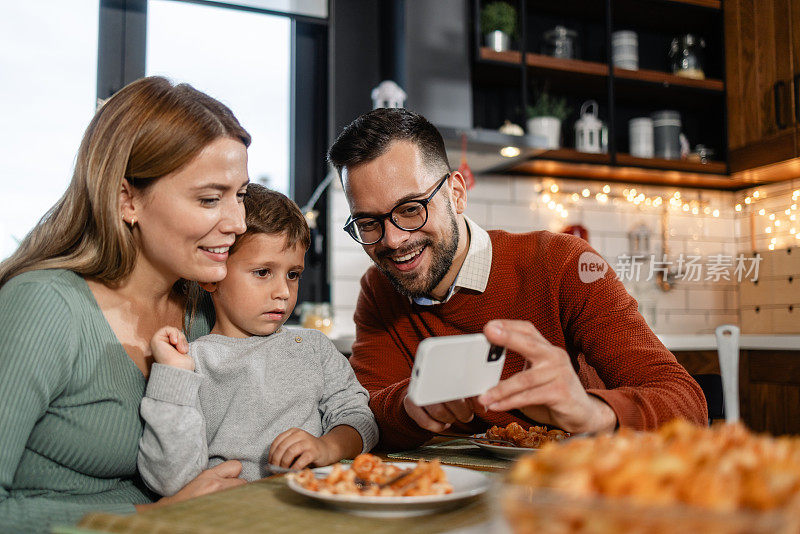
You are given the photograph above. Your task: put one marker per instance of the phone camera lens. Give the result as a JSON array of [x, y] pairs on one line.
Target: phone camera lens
[[494, 353]]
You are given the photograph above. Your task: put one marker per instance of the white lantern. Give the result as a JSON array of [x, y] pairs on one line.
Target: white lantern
[[589, 129], [388, 95]]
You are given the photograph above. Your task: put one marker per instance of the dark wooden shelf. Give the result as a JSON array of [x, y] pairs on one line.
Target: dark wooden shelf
[[512, 57], [591, 68], [621, 173], [566, 163], [712, 167], [543, 62], [711, 4], [575, 66], [667, 79], [570, 154]]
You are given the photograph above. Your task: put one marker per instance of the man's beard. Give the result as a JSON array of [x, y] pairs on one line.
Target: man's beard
[[442, 254]]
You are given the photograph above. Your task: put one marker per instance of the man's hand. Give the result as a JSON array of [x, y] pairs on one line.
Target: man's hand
[[297, 449], [439, 417], [169, 347], [549, 391]]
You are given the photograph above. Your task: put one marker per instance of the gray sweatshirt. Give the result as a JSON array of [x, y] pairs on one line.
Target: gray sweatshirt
[[242, 394]]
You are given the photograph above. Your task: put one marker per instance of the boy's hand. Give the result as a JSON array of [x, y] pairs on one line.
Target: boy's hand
[[297, 449], [169, 347]]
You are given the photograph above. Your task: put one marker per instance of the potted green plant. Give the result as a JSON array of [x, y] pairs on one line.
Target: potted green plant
[[498, 25], [545, 117]]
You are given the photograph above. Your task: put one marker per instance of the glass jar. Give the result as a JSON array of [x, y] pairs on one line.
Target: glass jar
[[686, 56], [560, 42], [317, 315]]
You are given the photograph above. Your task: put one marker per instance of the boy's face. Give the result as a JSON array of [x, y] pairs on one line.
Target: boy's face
[[260, 290]]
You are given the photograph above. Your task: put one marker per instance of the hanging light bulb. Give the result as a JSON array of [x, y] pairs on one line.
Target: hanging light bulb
[[738, 207], [762, 211], [756, 193], [546, 198], [606, 189], [554, 188], [715, 213], [771, 216], [586, 193], [747, 200]]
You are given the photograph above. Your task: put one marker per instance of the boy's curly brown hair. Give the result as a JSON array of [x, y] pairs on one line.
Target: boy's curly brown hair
[[271, 212]]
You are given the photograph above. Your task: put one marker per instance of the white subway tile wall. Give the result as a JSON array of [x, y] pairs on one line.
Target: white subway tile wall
[[517, 204], [774, 199]]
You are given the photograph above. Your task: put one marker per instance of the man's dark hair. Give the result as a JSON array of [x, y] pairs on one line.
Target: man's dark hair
[[270, 212], [369, 136]]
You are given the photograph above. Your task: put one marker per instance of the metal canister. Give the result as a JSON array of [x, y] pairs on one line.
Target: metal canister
[[666, 134]]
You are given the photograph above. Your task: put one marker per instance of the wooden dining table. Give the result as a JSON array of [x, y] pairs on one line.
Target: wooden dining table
[[269, 505]]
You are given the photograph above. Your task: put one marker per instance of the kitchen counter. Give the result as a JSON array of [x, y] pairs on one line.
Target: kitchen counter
[[674, 342], [678, 342]]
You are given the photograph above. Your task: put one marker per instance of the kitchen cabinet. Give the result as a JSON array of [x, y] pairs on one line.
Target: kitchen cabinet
[[505, 83], [795, 16], [769, 385], [762, 44], [771, 303]]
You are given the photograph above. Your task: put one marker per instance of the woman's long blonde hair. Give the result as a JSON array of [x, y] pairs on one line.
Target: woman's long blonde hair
[[148, 129]]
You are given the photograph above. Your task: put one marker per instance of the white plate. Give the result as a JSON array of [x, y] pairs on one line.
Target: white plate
[[467, 484], [501, 451]]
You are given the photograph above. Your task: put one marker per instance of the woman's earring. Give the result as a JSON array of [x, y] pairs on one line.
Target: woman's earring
[[133, 222]]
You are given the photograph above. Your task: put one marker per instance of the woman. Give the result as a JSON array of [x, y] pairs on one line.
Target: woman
[[154, 203]]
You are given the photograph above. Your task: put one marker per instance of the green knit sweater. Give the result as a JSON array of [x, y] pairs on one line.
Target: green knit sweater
[[69, 405]]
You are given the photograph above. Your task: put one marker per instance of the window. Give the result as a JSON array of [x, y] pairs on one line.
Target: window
[[241, 58], [49, 67]]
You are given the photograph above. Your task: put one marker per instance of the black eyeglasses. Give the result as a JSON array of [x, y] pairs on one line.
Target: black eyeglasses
[[408, 216]]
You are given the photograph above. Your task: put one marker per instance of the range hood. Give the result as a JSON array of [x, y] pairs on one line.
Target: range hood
[[484, 146]]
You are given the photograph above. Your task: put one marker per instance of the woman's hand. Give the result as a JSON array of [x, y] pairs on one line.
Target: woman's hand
[[170, 347], [220, 477], [297, 449]]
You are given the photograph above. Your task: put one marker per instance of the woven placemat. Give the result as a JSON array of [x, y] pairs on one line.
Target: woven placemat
[[270, 506], [455, 452]]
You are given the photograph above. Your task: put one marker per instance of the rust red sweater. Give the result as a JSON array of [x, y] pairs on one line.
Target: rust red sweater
[[534, 277]]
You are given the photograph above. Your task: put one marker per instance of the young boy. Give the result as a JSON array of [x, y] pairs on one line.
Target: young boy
[[252, 390]]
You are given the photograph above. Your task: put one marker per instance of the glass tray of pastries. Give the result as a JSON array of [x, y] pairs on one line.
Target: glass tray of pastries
[[681, 478]]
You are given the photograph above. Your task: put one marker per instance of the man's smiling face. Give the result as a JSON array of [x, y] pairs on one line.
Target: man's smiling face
[[417, 261]]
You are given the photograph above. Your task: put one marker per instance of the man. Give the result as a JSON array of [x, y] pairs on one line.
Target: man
[[580, 357]]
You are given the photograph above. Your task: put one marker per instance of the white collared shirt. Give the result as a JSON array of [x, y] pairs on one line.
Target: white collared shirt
[[474, 273]]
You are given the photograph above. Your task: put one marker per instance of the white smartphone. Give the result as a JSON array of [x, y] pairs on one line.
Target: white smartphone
[[454, 367]]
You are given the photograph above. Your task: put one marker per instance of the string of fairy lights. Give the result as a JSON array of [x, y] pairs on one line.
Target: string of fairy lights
[[559, 200], [784, 222], [772, 221]]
